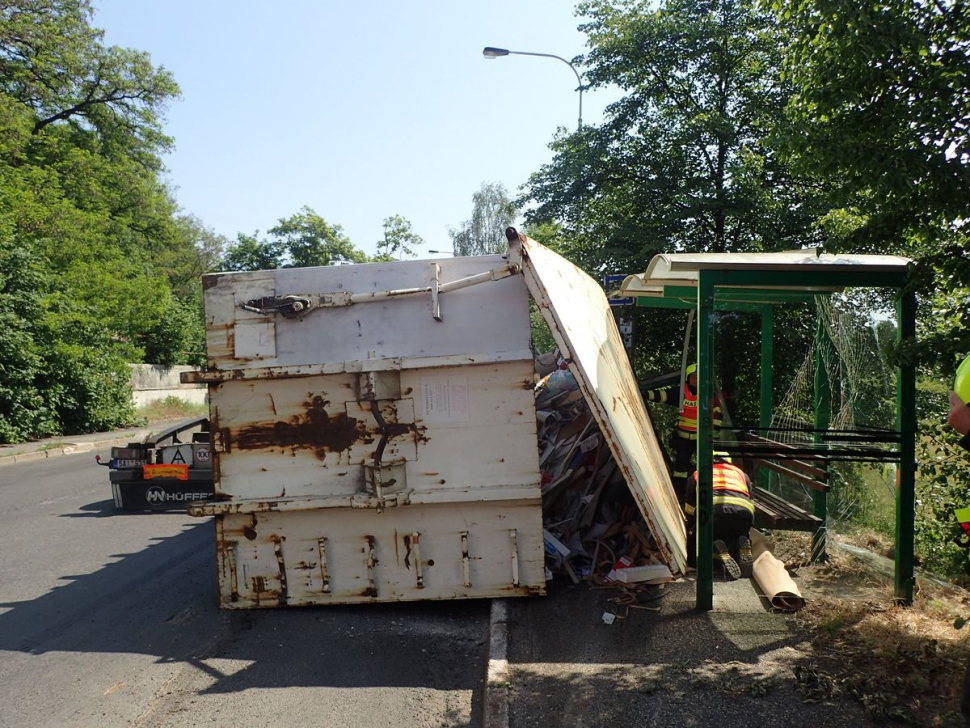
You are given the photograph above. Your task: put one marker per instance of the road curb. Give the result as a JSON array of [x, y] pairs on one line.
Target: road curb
[[67, 448], [496, 702]]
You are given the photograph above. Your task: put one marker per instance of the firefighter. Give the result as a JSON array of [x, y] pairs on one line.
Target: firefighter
[[683, 440], [959, 420], [733, 517]]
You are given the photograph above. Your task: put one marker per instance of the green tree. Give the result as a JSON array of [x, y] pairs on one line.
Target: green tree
[[251, 253], [883, 111], [685, 160], [309, 240], [399, 239], [53, 61], [86, 221], [302, 240], [492, 212]]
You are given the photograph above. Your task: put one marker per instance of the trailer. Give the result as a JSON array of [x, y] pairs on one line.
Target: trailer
[[165, 471]]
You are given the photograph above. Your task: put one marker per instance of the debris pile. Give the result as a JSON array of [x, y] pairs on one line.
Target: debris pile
[[593, 530]]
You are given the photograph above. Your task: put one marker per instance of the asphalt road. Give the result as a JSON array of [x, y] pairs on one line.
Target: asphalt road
[[111, 619]]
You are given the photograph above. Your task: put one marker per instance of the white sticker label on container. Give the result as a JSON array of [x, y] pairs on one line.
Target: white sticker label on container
[[445, 398]]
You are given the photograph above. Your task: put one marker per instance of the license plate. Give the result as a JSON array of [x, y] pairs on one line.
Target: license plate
[[127, 464]]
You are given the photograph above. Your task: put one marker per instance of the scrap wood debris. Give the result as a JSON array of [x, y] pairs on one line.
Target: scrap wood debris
[[593, 530]]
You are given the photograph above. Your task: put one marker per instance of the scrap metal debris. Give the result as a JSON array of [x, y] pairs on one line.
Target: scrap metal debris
[[593, 530]]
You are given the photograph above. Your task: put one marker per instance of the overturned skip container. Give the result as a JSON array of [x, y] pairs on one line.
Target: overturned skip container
[[374, 433]]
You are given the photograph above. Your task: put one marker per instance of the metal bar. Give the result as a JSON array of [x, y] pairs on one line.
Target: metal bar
[[435, 289], [466, 581], [825, 279], [370, 562], [823, 414], [888, 434], [683, 358], [795, 475], [324, 572], [281, 565], [764, 414], [705, 425], [846, 456], [356, 366], [230, 553], [803, 466], [754, 297], [418, 566], [679, 303], [906, 425], [515, 557], [822, 454]]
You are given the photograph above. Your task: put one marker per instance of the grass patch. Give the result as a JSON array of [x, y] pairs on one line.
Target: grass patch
[[902, 664], [170, 408]]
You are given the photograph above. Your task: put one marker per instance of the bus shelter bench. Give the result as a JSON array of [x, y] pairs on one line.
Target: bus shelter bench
[[774, 512]]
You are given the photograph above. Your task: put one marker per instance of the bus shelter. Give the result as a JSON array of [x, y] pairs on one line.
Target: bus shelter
[[757, 282]]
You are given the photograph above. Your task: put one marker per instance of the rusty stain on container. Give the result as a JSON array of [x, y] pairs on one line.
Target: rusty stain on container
[[210, 281], [317, 431]]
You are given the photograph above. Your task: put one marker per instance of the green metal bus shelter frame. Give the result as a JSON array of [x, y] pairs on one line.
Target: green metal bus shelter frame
[[739, 288]]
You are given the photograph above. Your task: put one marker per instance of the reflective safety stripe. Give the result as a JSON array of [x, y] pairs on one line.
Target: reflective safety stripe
[[686, 435], [688, 412], [731, 478], [733, 500]]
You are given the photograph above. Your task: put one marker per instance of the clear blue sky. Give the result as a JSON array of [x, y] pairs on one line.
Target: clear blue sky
[[359, 110]]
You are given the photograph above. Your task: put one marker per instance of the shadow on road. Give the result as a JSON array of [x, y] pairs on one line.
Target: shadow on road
[[161, 601]]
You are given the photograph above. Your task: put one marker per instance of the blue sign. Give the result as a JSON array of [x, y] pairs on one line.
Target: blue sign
[[612, 282]]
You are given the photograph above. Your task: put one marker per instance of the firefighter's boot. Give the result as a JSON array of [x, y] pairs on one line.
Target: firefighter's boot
[[744, 554], [731, 569]]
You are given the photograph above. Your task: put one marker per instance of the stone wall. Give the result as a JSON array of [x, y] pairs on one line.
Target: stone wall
[[151, 382]]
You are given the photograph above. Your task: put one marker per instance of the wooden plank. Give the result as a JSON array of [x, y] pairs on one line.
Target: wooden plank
[[772, 511]]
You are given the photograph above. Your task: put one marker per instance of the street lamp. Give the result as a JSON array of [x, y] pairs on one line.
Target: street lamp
[[441, 252], [492, 53]]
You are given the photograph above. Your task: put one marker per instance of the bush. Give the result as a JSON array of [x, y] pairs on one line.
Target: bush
[[91, 389]]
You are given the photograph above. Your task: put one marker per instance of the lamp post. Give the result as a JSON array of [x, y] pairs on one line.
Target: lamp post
[[492, 53], [441, 252]]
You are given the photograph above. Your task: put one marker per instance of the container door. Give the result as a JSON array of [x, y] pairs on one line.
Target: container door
[[576, 309]]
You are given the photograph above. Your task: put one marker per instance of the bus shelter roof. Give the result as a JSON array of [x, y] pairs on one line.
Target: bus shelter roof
[[764, 278]]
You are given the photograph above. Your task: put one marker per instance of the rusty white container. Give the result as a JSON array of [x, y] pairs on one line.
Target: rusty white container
[[374, 433]]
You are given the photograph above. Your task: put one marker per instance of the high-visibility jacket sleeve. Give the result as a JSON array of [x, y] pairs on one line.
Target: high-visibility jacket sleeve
[[665, 395]]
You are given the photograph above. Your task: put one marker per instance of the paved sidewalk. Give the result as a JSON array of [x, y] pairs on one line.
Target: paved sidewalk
[[729, 667], [68, 444]]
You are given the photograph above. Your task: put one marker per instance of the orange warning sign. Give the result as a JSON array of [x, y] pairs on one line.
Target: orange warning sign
[[178, 471]]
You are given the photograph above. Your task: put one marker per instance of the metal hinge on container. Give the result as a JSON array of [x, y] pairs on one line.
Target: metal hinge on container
[[297, 305]]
